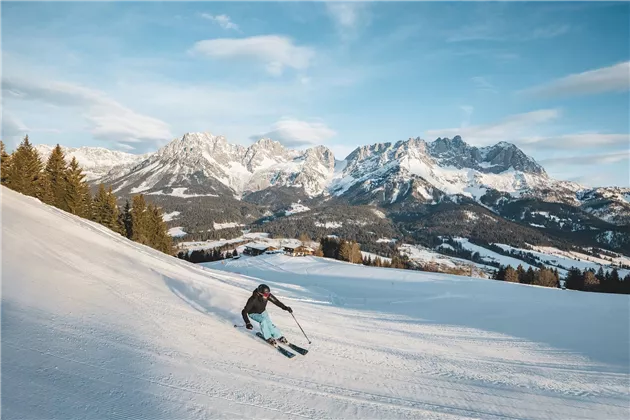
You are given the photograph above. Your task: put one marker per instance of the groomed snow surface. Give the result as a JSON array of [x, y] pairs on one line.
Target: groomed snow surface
[[96, 326]]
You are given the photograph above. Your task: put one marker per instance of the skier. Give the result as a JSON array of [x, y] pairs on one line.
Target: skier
[[256, 308]]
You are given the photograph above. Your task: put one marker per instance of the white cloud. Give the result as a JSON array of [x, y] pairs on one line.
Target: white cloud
[[276, 52], [108, 119], [578, 140], [510, 128], [222, 20], [296, 133], [349, 17], [615, 78]]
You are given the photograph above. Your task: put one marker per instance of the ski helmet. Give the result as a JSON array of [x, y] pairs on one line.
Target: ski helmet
[[263, 289]]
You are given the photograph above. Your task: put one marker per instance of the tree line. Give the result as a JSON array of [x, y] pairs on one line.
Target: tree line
[[587, 280], [591, 281], [206, 255], [63, 185]]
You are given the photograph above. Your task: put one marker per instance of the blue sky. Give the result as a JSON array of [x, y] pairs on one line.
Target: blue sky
[[552, 78]]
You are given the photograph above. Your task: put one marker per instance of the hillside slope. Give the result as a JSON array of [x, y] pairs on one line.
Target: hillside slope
[[96, 326]]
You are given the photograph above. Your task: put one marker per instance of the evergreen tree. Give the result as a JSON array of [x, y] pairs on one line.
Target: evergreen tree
[[55, 172], [511, 275], [139, 230], [234, 253], [500, 274], [5, 163], [615, 281], [158, 232], [520, 272], [77, 194], [105, 209], [529, 276], [25, 171], [126, 220], [575, 279]]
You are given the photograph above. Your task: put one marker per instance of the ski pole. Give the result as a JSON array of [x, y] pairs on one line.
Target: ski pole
[[309, 341], [239, 326]]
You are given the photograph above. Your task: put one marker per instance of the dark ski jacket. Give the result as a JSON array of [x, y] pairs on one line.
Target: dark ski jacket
[[256, 304]]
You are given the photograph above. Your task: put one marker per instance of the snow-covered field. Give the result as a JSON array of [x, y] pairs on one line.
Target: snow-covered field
[[96, 326]]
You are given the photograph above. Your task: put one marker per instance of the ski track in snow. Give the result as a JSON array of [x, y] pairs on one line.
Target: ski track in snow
[[97, 326]]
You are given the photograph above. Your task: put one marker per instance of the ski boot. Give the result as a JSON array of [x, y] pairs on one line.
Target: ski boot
[[283, 340], [272, 341]]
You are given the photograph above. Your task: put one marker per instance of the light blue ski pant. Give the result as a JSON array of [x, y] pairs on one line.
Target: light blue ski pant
[[267, 327]]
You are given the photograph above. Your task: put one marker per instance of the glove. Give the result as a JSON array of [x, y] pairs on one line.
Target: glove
[[289, 309], [249, 326]]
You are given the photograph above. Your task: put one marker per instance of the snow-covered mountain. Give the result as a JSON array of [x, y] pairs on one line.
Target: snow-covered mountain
[[208, 164], [96, 162], [389, 173], [384, 174]]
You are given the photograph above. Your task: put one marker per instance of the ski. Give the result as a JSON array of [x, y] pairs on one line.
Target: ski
[[284, 351], [298, 349]]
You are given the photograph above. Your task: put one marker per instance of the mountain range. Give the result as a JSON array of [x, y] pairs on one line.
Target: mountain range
[[400, 179]]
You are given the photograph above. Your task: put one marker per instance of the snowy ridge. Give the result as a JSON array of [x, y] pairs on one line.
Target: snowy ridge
[[205, 165], [96, 162], [211, 163], [82, 340]]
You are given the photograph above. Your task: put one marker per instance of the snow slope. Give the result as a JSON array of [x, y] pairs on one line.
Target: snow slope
[[96, 326]]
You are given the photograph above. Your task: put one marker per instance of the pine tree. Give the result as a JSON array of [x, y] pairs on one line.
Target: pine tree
[[5, 164], [138, 220], [528, 278], [158, 232], [575, 279], [234, 253], [77, 193], [25, 171], [106, 210], [56, 171], [126, 220], [520, 272], [500, 274]]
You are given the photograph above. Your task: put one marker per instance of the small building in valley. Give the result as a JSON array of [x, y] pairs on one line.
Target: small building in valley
[[298, 251], [257, 248]]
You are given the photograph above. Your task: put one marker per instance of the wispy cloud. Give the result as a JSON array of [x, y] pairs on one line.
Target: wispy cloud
[[578, 140], [276, 52], [296, 133], [483, 84], [491, 31], [510, 128], [600, 159], [108, 119], [223, 21], [349, 17], [615, 78]]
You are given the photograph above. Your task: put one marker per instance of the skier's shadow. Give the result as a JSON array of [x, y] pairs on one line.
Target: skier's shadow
[[198, 299]]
